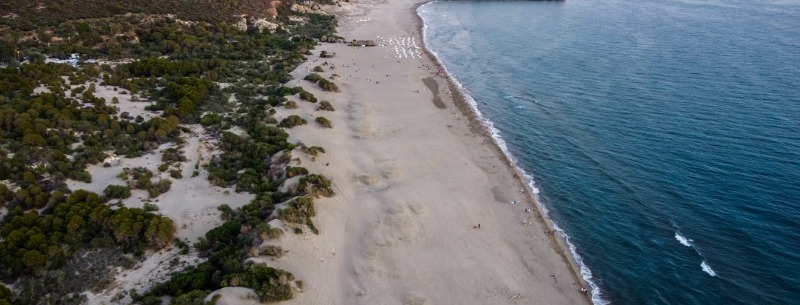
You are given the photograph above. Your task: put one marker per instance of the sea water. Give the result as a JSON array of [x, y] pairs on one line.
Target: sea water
[[663, 136]]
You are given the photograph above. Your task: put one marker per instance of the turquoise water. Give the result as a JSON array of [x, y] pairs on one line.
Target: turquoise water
[[663, 136]]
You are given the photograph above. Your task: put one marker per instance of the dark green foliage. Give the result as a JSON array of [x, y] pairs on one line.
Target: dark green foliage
[[172, 155], [295, 171], [6, 296], [322, 82], [176, 173], [307, 96], [194, 297], [44, 129], [318, 69], [250, 155], [323, 122], [313, 77], [328, 85], [141, 178], [211, 119], [117, 191], [150, 207], [292, 121], [47, 240], [325, 105]]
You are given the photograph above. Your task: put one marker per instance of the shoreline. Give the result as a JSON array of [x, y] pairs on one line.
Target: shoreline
[[478, 125], [406, 225]]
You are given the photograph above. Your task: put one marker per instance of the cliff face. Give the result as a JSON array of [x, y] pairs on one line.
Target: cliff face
[[28, 15]]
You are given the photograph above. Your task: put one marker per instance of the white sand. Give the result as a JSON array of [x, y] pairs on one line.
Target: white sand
[[412, 180], [191, 202]]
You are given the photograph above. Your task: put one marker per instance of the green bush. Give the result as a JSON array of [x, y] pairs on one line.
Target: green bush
[[318, 69], [295, 171], [314, 150], [328, 85], [313, 77], [307, 96], [292, 121], [117, 191], [150, 207], [290, 105], [323, 122], [325, 105]]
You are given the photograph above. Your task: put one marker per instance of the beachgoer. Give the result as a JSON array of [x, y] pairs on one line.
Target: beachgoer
[[479, 226]]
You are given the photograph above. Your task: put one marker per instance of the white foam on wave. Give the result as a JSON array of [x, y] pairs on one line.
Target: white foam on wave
[[597, 299], [683, 240], [707, 269]]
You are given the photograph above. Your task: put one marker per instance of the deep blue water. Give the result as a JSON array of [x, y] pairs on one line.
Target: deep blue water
[[646, 122]]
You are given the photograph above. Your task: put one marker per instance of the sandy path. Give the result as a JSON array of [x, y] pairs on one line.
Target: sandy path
[[412, 181]]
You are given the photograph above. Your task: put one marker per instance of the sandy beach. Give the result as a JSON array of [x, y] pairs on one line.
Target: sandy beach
[[423, 212]]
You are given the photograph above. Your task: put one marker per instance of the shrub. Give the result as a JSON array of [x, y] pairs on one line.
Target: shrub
[[311, 226], [314, 150], [290, 105], [295, 171], [211, 119], [176, 173], [307, 96], [271, 250], [171, 155], [315, 185], [313, 77], [159, 188], [328, 85], [323, 122], [292, 121], [325, 105], [150, 207], [318, 69], [117, 191], [271, 233]]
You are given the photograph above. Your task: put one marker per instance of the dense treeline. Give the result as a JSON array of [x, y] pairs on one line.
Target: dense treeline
[[142, 36], [31, 15], [33, 243]]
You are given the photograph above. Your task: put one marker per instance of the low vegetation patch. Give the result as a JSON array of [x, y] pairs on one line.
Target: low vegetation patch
[[292, 121], [323, 122], [326, 106]]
